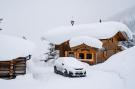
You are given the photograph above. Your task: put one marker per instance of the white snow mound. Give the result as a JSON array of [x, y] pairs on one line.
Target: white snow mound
[[13, 47], [102, 30], [123, 65], [93, 42]]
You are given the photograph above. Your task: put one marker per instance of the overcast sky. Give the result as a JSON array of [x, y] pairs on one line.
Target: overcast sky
[[32, 18]]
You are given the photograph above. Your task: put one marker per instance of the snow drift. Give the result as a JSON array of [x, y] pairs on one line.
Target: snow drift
[[123, 65], [116, 73], [13, 47]]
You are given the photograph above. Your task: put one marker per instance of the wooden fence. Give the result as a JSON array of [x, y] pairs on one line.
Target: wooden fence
[[10, 69]]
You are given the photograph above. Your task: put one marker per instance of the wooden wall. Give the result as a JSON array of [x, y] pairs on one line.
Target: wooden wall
[[110, 48], [10, 69]]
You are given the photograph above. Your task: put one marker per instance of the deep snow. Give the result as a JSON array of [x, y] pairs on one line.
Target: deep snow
[[98, 30], [12, 47], [92, 42], [116, 73]]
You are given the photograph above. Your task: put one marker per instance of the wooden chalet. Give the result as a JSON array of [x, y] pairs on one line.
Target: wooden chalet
[[88, 53], [93, 55]]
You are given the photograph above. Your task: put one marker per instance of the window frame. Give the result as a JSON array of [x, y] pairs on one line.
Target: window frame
[[89, 54]]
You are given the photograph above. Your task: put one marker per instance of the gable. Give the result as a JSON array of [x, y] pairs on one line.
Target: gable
[[82, 47], [121, 36]]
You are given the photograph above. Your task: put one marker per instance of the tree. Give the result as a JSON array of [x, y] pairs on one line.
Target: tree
[[24, 37], [72, 22], [100, 20], [52, 54], [0, 22], [128, 44]]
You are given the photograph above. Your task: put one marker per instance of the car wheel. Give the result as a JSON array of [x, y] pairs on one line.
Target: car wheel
[[55, 70], [65, 73]]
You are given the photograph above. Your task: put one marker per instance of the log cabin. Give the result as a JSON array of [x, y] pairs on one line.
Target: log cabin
[[90, 43], [14, 54]]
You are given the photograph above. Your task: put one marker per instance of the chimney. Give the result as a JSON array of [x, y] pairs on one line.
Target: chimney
[[72, 22]]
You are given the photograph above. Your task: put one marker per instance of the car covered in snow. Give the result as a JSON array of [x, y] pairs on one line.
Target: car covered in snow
[[69, 66]]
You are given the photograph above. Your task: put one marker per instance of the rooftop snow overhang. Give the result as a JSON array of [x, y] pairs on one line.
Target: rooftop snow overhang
[[13, 47], [91, 42], [104, 30]]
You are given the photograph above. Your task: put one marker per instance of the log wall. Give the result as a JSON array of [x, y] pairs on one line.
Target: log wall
[[10, 69]]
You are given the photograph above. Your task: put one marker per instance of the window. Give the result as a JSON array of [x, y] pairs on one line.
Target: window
[[81, 55], [71, 54], [88, 56]]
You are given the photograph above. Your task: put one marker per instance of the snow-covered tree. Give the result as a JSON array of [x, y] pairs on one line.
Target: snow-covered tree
[[52, 54], [24, 38], [0, 22], [128, 44]]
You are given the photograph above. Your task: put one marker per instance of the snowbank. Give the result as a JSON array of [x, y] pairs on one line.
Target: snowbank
[[92, 42], [123, 65], [41, 48], [116, 73], [13, 47], [102, 30]]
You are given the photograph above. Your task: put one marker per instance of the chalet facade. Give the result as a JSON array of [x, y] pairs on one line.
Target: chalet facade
[[90, 53]]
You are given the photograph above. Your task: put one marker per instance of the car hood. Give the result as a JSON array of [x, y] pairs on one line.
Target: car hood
[[75, 65]]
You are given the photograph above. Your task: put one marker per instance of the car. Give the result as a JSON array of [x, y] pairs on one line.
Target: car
[[69, 66]]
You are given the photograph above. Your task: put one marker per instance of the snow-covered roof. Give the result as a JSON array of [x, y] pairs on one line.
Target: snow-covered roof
[[102, 30], [93, 42], [13, 47]]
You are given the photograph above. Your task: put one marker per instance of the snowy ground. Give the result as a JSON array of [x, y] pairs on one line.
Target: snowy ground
[[48, 80], [116, 73]]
